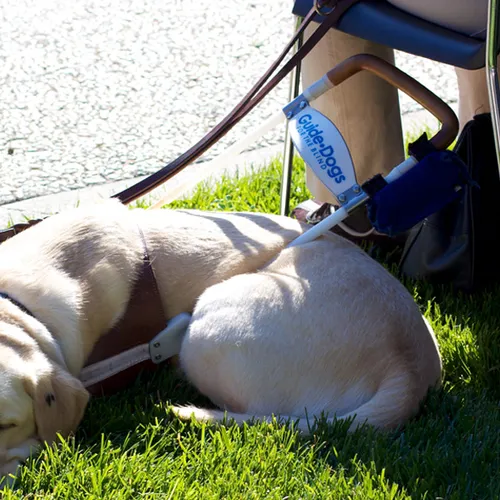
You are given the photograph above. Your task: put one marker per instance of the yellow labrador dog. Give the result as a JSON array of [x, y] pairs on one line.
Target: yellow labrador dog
[[317, 328]]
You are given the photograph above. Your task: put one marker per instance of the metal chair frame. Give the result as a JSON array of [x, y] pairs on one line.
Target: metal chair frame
[[491, 53]]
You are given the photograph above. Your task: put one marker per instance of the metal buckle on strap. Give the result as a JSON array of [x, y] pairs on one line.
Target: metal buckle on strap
[[168, 342], [165, 345], [324, 7]]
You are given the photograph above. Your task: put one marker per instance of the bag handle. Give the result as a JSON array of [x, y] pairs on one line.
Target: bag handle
[[408, 85]]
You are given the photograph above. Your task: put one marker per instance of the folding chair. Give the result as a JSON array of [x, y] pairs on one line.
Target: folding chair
[[381, 22]]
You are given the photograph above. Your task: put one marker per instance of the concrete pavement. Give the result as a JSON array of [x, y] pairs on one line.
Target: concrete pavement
[[95, 93]]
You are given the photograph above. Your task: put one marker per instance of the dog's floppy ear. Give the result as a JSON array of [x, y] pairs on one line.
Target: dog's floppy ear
[[59, 401]]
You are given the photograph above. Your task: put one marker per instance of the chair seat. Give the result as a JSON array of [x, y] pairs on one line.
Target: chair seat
[[381, 22]]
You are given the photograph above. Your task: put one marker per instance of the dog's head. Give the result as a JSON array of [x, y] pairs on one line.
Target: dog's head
[[39, 398]]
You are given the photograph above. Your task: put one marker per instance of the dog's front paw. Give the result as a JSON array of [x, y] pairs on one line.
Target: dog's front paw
[[8, 473], [199, 414], [13, 459], [184, 412]]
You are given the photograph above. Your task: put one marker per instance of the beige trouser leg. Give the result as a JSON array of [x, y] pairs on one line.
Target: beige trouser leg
[[468, 17], [472, 94], [364, 108]]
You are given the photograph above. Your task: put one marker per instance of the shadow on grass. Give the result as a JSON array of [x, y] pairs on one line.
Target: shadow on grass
[[449, 451], [467, 326], [468, 330], [120, 415]]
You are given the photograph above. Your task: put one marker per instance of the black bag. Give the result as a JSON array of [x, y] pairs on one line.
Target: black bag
[[460, 244]]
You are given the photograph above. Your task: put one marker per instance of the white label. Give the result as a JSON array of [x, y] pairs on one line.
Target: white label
[[323, 148]]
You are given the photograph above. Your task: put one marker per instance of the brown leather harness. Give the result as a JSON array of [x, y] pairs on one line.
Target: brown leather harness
[[145, 316]]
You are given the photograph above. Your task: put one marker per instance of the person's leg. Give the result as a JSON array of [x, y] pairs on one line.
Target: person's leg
[[365, 108], [472, 94], [468, 17]]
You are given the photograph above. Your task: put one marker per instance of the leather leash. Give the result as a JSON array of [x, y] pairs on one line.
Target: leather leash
[[332, 10]]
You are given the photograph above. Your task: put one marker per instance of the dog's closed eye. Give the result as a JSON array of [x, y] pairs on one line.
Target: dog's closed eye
[[4, 427]]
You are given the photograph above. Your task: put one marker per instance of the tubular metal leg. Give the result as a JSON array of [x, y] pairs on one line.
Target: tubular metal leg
[[492, 49], [286, 177]]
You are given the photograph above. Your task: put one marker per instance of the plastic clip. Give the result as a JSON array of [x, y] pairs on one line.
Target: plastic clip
[[168, 342]]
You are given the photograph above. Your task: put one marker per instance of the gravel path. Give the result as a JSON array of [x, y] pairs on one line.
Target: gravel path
[[95, 91]]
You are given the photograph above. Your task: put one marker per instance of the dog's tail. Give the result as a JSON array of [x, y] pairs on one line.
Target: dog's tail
[[392, 405]]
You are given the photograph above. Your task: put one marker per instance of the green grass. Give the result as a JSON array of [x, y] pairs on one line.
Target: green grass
[[130, 446]]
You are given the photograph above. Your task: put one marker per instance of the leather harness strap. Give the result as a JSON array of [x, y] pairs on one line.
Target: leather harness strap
[[144, 317], [5, 234]]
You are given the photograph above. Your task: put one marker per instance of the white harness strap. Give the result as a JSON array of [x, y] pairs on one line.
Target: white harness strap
[[165, 345]]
